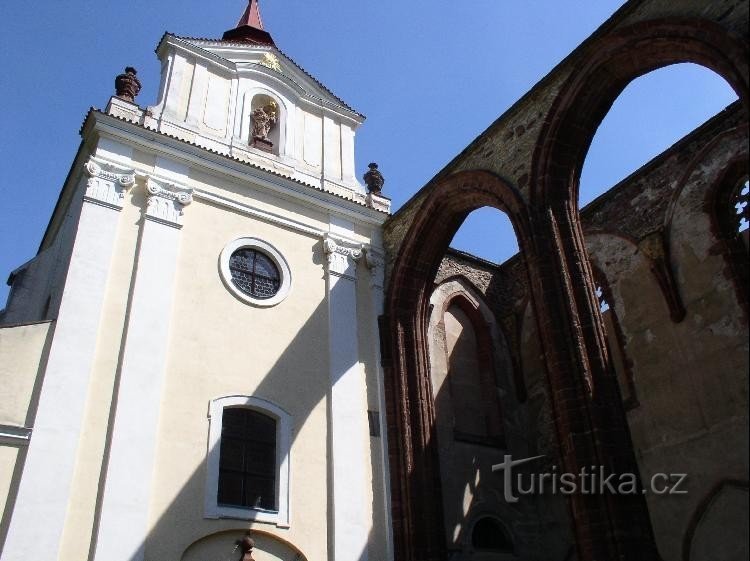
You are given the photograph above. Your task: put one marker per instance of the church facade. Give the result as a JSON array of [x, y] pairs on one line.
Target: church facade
[[228, 348]]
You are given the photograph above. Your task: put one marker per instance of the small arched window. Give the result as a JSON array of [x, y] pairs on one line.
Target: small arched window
[[491, 536], [248, 460]]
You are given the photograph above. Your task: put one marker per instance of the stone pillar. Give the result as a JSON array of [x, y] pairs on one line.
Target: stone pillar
[[589, 415], [347, 407], [127, 493], [44, 494], [375, 261]]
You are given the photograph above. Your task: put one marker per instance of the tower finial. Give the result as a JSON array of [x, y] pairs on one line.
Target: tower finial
[[251, 16], [250, 27]]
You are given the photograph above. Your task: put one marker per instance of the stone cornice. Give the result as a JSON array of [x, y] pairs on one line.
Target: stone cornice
[[158, 143]]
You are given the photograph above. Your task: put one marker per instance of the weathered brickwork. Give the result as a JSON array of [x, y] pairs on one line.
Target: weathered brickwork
[[646, 231]]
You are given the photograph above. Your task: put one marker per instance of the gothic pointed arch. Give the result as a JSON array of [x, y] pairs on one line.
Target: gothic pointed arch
[[417, 504], [612, 62]]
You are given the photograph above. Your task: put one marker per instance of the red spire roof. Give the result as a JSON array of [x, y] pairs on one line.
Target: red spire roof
[[251, 16], [250, 27]]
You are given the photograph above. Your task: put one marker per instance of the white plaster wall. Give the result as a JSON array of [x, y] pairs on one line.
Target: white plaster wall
[[207, 101], [223, 346]]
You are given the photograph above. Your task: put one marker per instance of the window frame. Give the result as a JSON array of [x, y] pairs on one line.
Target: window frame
[[285, 275], [213, 509]]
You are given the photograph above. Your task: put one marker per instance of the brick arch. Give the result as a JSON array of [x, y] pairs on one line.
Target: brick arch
[[609, 65], [415, 476]]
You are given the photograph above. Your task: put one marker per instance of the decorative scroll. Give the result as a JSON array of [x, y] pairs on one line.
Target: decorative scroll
[[341, 260], [107, 183], [166, 202]]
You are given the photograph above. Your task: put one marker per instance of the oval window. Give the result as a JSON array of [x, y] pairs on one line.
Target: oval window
[[255, 272]]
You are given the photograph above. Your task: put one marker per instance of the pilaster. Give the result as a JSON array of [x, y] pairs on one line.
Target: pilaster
[[44, 491], [347, 413], [130, 467]]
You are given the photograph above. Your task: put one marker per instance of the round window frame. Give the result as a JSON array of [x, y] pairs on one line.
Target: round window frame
[[285, 273]]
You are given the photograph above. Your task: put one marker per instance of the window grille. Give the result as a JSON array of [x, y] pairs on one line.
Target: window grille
[[254, 273]]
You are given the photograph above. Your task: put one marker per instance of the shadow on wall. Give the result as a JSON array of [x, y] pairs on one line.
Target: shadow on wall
[[181, 532], [474, 384]]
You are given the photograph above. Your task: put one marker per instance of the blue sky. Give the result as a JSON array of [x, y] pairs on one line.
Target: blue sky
[[429, 75]]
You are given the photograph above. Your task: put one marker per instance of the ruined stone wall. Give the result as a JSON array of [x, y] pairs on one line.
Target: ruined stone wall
[[658, 247], [508, 145], [527, 164]]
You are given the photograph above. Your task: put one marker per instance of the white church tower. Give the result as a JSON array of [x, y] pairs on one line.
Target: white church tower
[[189, 368]]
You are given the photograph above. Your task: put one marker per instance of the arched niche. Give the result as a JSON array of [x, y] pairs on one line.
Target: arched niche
[[224, 545], [279, 134]]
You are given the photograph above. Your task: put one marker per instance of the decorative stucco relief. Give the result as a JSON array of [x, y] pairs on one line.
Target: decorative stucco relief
[[166, 201], [341, 259], [107, 183]]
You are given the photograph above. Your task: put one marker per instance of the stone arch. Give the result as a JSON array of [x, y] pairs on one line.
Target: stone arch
[[221, 545], [612, 62], [705, 241], [415, 478], [562, 280], [718, 525]]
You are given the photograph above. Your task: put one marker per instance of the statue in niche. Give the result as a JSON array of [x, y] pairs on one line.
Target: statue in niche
[[264, 119], [247, 544]]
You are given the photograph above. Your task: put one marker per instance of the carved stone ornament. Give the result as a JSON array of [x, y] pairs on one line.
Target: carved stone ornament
[[270, 60], [166, 202], [127, 85], [264, 119], [340, 259], [375, 261], [373, 179], [107, 183], [247, 544]]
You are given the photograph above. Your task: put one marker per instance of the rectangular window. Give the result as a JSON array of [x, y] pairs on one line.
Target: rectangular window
[[247, 461]]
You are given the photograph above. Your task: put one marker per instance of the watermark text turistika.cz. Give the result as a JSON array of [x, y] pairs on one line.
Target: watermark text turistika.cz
[[593, 480]]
